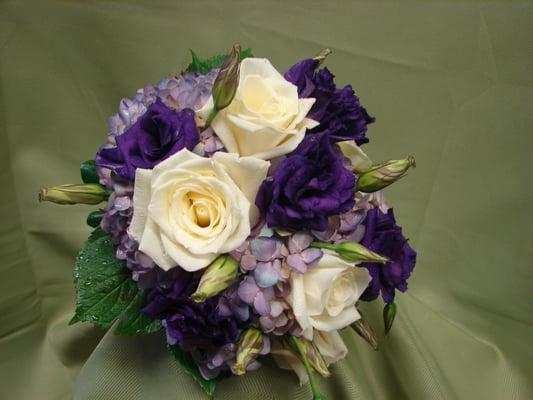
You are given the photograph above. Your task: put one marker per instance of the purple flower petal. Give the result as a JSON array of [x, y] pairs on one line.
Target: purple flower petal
[[299, 242], [248, 262], [267, 324], [265, 248], [311, 256], [261, 304], [266, 345], [296, 262], [248, 290], [267, 274]]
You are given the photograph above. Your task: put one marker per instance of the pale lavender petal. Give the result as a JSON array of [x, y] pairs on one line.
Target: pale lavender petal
[[269, 294], [143, 260], [266, 274], [296, 262], [248, 290], [265, 248], [248, 262], [299, 242], [208, 373], [254, 365], [281, 320], [262, 305], [241, 312], [223, 308], [218, 359], [311, 256], [324, 236], [267, 324], [276, 308], [266, 345]]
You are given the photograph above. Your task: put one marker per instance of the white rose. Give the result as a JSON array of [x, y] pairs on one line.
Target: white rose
[[329, 344], [189, 209], [266, 119], [324, 297]]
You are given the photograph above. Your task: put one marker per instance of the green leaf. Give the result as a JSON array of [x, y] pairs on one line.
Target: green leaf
[[88, 172], [185, 360], [104, 288], [94, 218], [203, 66], [134, 322]]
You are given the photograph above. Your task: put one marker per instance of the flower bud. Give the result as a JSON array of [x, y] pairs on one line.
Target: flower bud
[[217, 277], [320, 57], [382, 175], [251, 343], [389, 312], [352, 251], [94, 218], [316, 360], [363, 329], [227, 79], [88, 193]]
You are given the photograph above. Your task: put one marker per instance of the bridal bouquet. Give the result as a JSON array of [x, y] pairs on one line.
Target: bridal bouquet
[[242, 218]]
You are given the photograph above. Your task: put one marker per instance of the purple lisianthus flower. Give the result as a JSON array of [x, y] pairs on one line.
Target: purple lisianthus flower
[[339, 111], [155, 136], [383, 236], [189, 323], [307, 187]]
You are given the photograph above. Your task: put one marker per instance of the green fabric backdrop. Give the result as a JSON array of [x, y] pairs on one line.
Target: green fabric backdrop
[[450, 82]]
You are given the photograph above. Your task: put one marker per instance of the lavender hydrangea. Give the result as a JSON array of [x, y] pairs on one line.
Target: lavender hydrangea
[[265, 285]]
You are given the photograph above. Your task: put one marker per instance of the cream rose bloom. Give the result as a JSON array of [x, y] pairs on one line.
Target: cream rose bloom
[[324, 297], [266, 119], [329, 344], [189, 209]]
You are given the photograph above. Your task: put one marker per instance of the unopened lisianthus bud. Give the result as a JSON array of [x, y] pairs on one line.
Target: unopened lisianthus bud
[[389, 312], [363, 329], [217, 277], [250, 345], [88, 193], [320, 57], [316, 360], [227, 79], [382, 175], [352, 251]]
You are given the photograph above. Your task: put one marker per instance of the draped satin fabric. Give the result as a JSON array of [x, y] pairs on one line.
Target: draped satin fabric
[[449, 82]]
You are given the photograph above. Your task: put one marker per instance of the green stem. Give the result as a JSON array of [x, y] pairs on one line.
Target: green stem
[[321, 245], [303, 357], [211, 117]]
